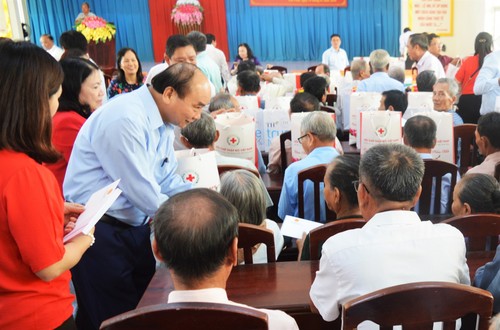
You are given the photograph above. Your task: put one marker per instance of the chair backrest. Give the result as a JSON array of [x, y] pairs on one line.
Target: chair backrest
[[283, 137], [433, 176], [481, 230], [225, 168], [347, 68], [319, 235], [251, 235], [327, 108], [312, 68], [331, 99], [418, 305], [188, 316], [468, 146], [497, 172], [281, 69], [315, 174]]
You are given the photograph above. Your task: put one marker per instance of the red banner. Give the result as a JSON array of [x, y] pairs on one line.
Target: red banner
[[299, 3]]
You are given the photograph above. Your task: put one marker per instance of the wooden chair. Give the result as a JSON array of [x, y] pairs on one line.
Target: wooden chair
[[468, 149], [188, 316], [418, 305], [315, 174], [327, 108], [481, 230], [497, 172], [433, 176], [319, 235], [331, 99], [107, 80], [347, 68], [283, 137], [282, 70], [251, 235], [312, 68], [225, 168]]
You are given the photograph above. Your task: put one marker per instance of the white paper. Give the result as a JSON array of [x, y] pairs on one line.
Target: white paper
[[97, 205], [296, 227]]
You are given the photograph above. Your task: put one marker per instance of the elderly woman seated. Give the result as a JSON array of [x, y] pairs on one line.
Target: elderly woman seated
[[243, 189]]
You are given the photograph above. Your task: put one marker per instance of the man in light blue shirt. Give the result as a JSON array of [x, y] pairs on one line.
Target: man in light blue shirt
[[335, 57], [203, 60], [317, 138], [380, 81], [129, 138], [488, 82]]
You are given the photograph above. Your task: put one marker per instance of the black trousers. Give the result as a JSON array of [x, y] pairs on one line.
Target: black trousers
[[113, 274]]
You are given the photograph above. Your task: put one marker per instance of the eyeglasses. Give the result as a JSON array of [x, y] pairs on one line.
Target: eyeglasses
[[303, 136], [356, 184]]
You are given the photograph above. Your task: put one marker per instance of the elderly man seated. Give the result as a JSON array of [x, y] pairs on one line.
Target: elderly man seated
[[394, 247], [488, 143], [317, 138], [380, 81], [444, 96], [210, 229]]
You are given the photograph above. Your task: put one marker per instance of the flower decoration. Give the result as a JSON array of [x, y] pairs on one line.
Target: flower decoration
[[187, 12], [96, 29]]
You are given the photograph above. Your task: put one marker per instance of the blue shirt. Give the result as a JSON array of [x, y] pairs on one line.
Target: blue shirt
[[125, 139], [289, 200], [380, 82], [335, 59], [210, 69]]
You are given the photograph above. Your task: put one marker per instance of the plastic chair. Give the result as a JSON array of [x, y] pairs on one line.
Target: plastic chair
[[319, 235], [251, 235], [433, 176], [468, 149], [188, 316], [418, 305], [316, 174]]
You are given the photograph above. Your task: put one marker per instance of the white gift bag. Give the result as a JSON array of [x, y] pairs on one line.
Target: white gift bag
[[298, 152], [198, 166], [237, 135], [378, 127], [248, 102], [269, 124], [445, 143], [418, 102], [360, 101], [280, 102]]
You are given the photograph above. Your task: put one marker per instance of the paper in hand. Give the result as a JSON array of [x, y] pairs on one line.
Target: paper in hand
[[97, 205], [295, 227]]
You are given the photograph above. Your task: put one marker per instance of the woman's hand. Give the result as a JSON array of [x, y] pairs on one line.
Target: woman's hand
[[71, 213]]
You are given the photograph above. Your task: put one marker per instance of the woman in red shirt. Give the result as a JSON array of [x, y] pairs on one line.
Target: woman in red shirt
[[469, 104], [34, 262], [81, 94]]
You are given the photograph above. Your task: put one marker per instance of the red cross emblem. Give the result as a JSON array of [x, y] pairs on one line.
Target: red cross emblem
[[190, 177], [381, 131], [233, 140]]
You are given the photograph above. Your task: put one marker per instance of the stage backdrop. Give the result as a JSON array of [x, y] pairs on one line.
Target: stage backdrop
[[274, 33]]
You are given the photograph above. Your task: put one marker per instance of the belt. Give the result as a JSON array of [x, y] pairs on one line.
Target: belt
[[114, 222]]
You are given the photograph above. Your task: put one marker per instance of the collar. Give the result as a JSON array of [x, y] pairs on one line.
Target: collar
[[394, 217], [152, 110], [426, 156], [216, 295]]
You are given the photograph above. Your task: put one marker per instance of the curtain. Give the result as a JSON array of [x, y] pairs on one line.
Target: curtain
[[303, 33], [214, 21], [131, 18]]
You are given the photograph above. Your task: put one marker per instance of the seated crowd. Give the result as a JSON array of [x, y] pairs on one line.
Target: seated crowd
[[62, 140]]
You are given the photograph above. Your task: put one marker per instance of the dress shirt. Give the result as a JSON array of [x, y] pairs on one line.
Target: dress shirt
[[56, 52], [336, 59], [380, 82], [487, 82], [457, 120], [218, 56], [488, 164], [392, 248], [277, 320], [289, 200], [125, 139], [210, 69], [403, 41], [431, 62], [488, 278]]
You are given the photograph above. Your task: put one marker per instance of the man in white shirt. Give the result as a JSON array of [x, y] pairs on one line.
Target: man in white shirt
[[335, 57], [200, 273], [395, 246], [218, 56], [47, 42], [488, 82], [418, 46]]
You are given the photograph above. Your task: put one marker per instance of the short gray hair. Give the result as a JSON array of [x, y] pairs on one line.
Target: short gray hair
[[453, 88], [200, 133], [321, 124], [244, 190], [357, 66], [393, 172], [379, 59], [221, 101], [396, 72]]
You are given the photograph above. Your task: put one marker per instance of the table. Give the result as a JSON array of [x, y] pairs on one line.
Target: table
[[282, 285], [349, 149]]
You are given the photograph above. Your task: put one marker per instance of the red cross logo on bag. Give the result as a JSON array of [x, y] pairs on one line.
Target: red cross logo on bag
[[233, 140], [192, 177]]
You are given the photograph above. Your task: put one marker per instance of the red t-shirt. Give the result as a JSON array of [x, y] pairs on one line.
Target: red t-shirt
[[464, 73], [31, 239], [65, 128]]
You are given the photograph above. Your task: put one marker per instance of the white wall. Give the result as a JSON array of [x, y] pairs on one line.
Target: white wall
[[470, 18]]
